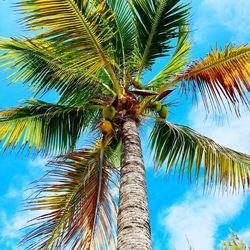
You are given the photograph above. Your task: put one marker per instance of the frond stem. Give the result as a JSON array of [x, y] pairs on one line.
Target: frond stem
[[99, 192], [150, 39], [113, 78], [99, 49], [146, 101]]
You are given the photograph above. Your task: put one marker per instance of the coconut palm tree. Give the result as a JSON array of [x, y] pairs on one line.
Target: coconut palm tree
[[94, 55]]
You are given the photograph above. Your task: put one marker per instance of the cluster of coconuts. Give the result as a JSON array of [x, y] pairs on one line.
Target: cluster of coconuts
[[162, 110], [108, 113]]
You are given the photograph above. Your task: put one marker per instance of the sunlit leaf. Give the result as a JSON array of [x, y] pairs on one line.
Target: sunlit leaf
[[44, 126], [221, 75], [82, 33], [185, 151], [43, 67], [177, 63]]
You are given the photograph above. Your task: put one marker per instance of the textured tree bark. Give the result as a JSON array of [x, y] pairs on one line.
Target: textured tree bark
[[133, 217]]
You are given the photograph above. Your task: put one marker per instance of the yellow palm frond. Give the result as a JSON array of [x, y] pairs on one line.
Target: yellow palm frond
[[222, 74], [84, 34], [78, 197], [43, 126]]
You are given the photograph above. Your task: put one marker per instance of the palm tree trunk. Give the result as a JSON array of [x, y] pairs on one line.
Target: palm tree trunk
[[133, 217]]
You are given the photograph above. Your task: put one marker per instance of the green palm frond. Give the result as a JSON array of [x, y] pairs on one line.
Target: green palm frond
[[44, 126], [157, 24], [124, 38], [43, 67], [115, 145], [222, 74], [177, 63], [77, 215], [84, 35], [181, 147]]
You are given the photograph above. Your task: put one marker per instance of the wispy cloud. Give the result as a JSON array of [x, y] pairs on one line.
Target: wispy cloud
[[11, 193], [245, 235], [196, 219], [10, 227], [231, 15], [38, 162], [231, 132], [12, 222]]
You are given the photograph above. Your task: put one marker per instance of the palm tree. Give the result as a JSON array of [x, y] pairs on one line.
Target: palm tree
[[94, 54]]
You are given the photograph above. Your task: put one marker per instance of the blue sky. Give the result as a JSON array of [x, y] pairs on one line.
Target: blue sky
[[179, 211]]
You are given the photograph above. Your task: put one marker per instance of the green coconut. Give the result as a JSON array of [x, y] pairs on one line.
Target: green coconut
[[109, 113], [163, 112], [156, 106]]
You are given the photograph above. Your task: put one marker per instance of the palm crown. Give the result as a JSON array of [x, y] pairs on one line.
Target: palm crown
[[94, 53]]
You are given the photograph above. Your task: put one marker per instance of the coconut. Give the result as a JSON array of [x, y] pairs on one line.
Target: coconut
[[156, 106], [106, 127], [163, 112], [109, 112]]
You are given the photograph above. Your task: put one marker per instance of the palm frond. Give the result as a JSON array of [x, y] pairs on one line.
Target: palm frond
[[115, 145], [233, 242], [85, 35], [222, 74], [181, 147], [157, 24], [43, 126], [43, 67], [78, 201], [124, 38], [177, 63]]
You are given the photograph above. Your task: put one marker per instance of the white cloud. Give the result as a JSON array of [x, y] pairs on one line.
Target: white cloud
[[245, 235], [10, 228], [231, 14], [197, 218], [11, 222], [39, 162], [232, 132], [11, 193]]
